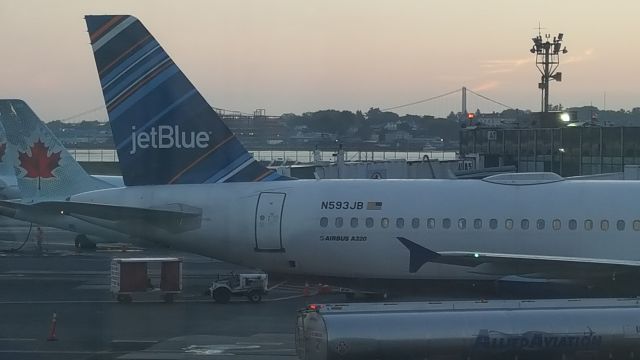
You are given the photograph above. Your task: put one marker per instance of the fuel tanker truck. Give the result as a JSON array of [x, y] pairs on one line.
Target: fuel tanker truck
[[496, 329]]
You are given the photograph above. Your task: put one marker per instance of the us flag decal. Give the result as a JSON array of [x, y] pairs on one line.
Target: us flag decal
[[374, 205]]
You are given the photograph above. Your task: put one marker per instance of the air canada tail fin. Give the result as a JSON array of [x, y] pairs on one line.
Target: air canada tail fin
[[43, 167], [8, 184], [164, 130], [6, 155]]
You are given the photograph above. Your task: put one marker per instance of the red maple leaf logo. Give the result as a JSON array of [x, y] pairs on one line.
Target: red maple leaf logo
[[39, 164], [3, 148]]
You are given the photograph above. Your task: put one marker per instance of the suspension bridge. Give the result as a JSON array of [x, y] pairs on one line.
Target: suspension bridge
[[463, 92]]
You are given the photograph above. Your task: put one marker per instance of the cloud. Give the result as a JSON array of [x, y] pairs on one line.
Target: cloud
[[499, 66], [505, 62], [492, 84], [579, 58], [499, 71]]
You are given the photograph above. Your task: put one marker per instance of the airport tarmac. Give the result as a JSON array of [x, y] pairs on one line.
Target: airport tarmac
[[92, 325]]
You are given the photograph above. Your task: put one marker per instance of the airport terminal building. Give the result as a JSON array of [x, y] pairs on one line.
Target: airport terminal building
[[567, 151]]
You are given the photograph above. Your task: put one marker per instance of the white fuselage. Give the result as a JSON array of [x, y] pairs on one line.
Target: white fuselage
[[294, 226]]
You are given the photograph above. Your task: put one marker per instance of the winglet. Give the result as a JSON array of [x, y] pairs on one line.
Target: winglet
[[418, 255]]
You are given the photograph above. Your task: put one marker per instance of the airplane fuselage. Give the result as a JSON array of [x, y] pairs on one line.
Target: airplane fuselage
[[350, 228]]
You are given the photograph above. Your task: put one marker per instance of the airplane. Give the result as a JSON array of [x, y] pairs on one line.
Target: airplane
[[30, 148], [40, 166], [8, 184], [190, 184]]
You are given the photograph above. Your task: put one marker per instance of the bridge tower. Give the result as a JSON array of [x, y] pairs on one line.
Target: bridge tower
[[464, 101]]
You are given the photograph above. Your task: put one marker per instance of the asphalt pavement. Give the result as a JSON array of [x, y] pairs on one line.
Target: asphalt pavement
[[90, 324]]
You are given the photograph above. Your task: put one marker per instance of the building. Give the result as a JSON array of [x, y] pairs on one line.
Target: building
[[567, 151], [495, 121]]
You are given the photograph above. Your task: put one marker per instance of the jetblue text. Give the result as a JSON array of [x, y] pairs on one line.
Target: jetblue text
[[166, 137]]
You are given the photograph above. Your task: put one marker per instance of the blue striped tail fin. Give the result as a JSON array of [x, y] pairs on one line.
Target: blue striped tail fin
[[164, 130]]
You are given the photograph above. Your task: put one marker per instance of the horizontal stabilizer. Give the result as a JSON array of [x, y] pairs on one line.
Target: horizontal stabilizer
[[173, 217]]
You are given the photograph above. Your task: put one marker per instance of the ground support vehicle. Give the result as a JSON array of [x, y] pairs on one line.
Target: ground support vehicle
[[138, 276], [555, 329], [253, 286]]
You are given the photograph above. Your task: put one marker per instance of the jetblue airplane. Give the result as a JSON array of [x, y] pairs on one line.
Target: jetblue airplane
[[41, 168], [192, 185]]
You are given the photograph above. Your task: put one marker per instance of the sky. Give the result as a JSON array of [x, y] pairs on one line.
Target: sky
[[291, 56]]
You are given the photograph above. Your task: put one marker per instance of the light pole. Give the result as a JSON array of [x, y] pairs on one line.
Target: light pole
[[547, 62], [442, 143]]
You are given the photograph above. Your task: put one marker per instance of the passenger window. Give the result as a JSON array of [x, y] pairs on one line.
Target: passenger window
[[540, 224], [369, 222], [400, 223], [588, 225], [477, 224], [556, 224], [431, 223], [508, 224], [636, 225], [446, 223], [620, 225], [384, 222], [354, 222], [524, 224], [415, 223], [462, 223], [604, 225], [573, 224], [324, 221], [493, 224], [339, 222]]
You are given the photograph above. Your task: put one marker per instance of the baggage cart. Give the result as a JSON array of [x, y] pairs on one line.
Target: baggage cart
[[135, 276]]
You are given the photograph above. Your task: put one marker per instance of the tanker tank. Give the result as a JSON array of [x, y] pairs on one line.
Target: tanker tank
[[507, 329]]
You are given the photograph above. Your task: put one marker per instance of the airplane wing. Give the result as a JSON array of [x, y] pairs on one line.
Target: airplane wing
[[172, 217], [519, 264]]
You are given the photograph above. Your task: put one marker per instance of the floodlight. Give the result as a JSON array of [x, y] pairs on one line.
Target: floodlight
[[565, 117]]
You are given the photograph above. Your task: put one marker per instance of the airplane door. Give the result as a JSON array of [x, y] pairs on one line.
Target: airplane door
[[269, 221]]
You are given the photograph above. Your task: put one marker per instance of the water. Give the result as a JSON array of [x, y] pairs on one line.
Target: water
[[298, 156]]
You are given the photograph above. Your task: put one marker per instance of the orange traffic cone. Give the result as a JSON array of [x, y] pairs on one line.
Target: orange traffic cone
[[52, 334], [306, 292]]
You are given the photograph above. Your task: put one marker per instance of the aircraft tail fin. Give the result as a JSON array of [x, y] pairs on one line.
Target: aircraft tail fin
[[8, 184], [165, 131], [6, 164], [43, 167]]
